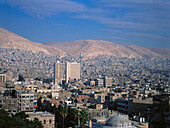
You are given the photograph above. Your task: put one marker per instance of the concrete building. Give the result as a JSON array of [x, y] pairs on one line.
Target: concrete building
[[47, 119], [122, 106], [27, 101], [98, 113], [108, 82], [121, 80], [100, 82], [118, 121], [58, 73], [72, 71], [9, 76], [9, 103], [2, 78]]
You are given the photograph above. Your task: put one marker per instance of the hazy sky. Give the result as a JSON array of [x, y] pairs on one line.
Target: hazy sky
[[140, 22]]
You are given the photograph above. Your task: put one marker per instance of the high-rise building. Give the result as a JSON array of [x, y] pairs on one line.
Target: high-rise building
[[72, 71], [2, 78], [100, 82], [58, 73], [9, 76], [108, 82], [121, 81]]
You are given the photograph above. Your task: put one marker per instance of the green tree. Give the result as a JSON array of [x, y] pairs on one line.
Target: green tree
[[83, 117], [37, 123], [21, 115], [17, 121], [63, 113], [74, 113]]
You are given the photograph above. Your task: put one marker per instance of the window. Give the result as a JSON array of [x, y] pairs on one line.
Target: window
[[44, 121], [50, 121]]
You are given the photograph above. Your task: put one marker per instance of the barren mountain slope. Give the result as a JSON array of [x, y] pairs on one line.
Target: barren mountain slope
[[11, 40], [162, 51], [93, 48]]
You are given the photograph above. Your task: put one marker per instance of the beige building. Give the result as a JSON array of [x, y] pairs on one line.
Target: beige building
[[57, 73], [100, 97], [27, 101], [72, 71], [2, 78], [9, 103], [98, 113], [108, 82], [47, 119], [9, 76]]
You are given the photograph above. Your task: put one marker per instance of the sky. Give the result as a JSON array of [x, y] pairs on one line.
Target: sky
[[144, 23]]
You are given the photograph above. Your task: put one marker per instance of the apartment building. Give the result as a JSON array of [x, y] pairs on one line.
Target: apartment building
[[27, 101]]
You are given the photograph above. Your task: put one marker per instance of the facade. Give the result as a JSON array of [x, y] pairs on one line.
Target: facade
[[108, 82], [136, 105], [122, 105], [121, 81], [27, 101], [9, 103], [98, 113], [47, 119], [2, 78], [9, 76], [100, 82], [57, 73], [100, 97], [72, 71]]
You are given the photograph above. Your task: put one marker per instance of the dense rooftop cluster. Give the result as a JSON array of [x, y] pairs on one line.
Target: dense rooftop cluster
[[109, 86]]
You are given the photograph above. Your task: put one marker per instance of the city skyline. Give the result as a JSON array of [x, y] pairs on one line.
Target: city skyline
[[143, 23]]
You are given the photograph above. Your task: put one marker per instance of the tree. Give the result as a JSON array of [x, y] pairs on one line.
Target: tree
[[17, 121], [83, 117], [63, 113], [37, 123], [74, 113], [21, 115]]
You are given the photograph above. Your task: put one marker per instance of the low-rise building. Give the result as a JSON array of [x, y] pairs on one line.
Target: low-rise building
[[47, 119]]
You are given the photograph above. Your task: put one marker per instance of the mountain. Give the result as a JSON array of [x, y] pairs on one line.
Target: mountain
[[11, 40], [162, 51], [84, 48], [93, 48]]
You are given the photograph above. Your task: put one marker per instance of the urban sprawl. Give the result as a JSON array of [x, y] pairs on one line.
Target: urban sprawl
[[101, 92]]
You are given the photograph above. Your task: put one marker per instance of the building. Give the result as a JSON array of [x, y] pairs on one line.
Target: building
[[122, 121], [47, 119], [98, 112], [108, 82], [121, 81], [58, 73], [137, 105], [27, 101], [72, 71], [122, 106], [9, 76], [2, 78], [100, 82], [9, 101]]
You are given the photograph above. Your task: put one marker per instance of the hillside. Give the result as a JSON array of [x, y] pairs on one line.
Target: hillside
[[162, 51], [93, 48], [84, 48], [11, 40]]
